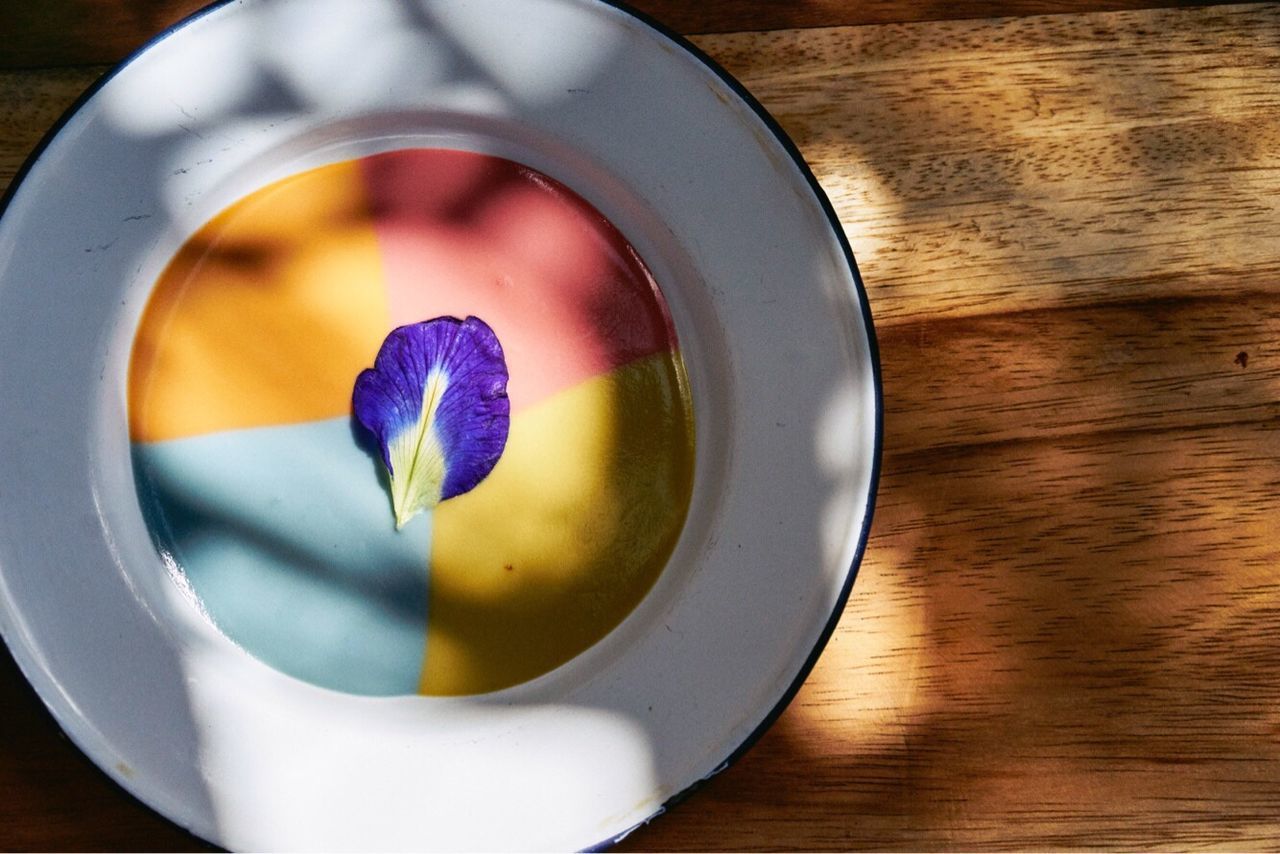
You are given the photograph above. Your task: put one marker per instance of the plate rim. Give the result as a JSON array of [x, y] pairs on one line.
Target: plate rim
[[864, 305], [836, 228]]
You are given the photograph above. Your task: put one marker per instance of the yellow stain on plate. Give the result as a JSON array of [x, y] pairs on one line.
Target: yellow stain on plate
[[266, 315], [566, 535]]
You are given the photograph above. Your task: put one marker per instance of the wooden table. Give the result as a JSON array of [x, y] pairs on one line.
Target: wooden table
[[1066, 632]]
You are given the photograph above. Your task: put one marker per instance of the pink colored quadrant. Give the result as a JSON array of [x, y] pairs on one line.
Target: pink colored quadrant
[[463, 233]]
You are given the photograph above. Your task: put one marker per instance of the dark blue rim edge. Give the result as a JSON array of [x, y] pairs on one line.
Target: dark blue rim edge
[[860, 292]]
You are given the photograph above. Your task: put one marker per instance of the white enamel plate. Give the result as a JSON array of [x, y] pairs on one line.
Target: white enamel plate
[[782, 370]]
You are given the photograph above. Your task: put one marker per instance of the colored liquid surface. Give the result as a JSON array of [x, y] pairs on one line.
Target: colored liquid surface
[[262, 488]]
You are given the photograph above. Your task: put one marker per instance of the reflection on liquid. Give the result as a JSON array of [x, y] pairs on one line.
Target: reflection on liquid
[[578, 518], [254, 480]]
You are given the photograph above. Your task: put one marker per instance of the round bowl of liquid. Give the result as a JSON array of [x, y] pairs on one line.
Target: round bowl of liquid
[[206, 574]]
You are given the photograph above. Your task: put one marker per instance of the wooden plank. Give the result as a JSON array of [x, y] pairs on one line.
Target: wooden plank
[[1052, 644], [86, 32], [1153, 365], [996, 166], [728, 16]]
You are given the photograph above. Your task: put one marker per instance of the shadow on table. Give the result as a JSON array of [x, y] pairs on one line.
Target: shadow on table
[[1043, 647]]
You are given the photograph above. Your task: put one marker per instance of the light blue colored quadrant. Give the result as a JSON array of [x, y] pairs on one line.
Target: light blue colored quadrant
[[288, 538]]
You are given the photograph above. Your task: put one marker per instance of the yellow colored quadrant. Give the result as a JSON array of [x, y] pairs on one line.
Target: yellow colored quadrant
[[266, 315], [566, 535]]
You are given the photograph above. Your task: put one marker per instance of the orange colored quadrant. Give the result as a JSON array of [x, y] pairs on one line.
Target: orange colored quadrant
[[266, 315]]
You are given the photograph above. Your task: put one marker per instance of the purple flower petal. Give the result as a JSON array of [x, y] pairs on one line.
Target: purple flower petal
[[436, 399]]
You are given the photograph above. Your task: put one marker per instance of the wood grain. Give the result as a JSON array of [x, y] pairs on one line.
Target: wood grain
[[1060, 643], [998, 166], [87, 32], [1066, 632]]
